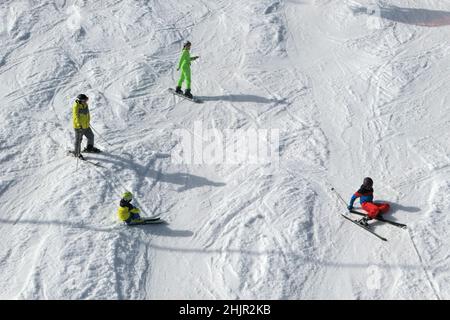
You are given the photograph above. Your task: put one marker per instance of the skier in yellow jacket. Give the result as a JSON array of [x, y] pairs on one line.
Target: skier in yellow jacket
[[127, 212], [81, 124], [185, 66]]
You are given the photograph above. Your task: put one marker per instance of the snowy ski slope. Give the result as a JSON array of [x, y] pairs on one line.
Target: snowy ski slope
[[356, 88]]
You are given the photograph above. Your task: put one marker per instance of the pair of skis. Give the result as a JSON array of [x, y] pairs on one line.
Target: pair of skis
[[367, 228], [380, 218], [156, 220]]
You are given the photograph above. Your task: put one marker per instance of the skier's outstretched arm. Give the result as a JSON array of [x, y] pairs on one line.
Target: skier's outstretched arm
[[352, 201]]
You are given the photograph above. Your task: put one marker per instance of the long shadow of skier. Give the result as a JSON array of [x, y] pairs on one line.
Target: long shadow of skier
[[186, 181], [159, 229], [241, 98], [303, 258], [58, 223], [166, 231], [412, 16]]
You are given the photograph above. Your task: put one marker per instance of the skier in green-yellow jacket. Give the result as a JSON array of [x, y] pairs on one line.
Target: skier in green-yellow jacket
[[81, 124], [185, 66]]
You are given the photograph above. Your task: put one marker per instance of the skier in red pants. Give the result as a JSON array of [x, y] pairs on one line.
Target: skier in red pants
[[365, 193]]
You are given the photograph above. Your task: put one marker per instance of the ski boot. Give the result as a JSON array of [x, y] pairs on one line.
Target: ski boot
[[73, 154], [91, 149], [178, 90], [79, 156], [188, 94], [364, 221]]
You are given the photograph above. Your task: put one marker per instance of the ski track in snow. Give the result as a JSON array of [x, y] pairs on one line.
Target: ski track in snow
[[352, 95]]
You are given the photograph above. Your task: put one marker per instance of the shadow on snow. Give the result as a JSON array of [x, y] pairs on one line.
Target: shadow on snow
[[240, 98], [412, 16], [155, 229], [186, 181]]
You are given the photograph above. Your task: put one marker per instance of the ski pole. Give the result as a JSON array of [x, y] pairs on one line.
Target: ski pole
[[339, 196], [100, 136]]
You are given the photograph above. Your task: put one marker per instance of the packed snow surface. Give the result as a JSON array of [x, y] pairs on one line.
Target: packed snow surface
[[349, 88]]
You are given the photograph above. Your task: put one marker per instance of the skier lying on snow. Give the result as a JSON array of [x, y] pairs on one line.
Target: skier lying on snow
[[365, 193], [127, 212]]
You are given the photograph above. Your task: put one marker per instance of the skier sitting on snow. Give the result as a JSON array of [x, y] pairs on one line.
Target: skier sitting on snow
[[185, 66], [365, 193], [81, 124], [127, 212]]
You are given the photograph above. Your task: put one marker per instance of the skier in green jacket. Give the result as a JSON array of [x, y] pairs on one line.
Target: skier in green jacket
[[185, 66]]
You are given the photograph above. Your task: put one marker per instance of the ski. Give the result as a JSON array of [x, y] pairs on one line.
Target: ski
[[148, 221], [194, 99], [394, 223], [95, 163], [364, 227]]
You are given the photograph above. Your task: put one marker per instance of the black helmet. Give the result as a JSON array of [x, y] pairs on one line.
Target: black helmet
[[368, 182], [187, 43], [82, 97]]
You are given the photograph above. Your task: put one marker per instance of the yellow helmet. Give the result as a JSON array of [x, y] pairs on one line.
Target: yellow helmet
[[127, 196]]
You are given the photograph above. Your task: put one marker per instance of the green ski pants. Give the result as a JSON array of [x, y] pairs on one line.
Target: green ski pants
[[185, 75]]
